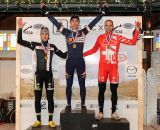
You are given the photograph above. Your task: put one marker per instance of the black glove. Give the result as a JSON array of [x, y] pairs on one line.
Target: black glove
[[103, 9], [43, 9]]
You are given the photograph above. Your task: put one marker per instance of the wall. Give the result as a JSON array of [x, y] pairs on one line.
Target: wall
[[7, 73]]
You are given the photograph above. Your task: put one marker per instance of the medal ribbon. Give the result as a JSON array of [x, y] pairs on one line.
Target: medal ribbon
[[74, 38], [108, 37], [45, 48]]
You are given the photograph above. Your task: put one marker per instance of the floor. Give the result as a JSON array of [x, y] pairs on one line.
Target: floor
[[12, 127], [7, 126], [151, 127]]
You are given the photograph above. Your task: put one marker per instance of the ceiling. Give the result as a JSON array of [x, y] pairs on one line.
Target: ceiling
[[115, 6]]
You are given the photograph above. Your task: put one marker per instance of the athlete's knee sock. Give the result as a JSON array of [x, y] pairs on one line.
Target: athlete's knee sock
[[50, 103], [102, 88], [38, 95], [114, 97], [69, 79], [81, 80]]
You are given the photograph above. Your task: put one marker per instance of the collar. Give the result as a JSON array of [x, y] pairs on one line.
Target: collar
[[45, 43], [109, 33]]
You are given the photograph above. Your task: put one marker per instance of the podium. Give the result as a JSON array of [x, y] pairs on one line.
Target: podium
[[77, 120], [110, 124], [44, 127]]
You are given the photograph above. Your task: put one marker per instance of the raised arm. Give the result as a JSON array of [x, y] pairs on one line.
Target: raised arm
[[59, 52], [93, 50], [132, 41], [95, 21], [19, 37], [54, 21]]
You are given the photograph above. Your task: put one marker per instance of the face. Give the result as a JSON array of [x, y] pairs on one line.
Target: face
[[74, 23], [44, 37], [108, 26]]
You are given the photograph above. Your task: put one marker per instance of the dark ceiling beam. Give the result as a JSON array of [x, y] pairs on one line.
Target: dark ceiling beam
[[71, 7]]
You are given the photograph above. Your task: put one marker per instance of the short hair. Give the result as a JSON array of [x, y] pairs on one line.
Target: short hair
[[109, 20], [75, 16], [44, 29]]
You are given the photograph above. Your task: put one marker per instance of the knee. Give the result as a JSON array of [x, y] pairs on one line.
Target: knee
[[102, 87], [113, 87], [82, 76]]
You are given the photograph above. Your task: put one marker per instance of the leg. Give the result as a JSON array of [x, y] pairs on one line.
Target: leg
[[38, 94], [102, 79], [80, 67], [50, 91], [102, 88], [114, 97], [69, 79], [49, 84], [114, 79]]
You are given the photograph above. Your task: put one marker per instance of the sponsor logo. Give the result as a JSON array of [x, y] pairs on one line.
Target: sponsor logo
[[118, 31], [25, 105], [128, 25], [38, 26], [59, 105], [43, 105], [131, 106], [122, 57], [26, 71], [54, 70], [35, 26], [93, 105], [69, 39], [131, 69], [78, 105], [27, 31]]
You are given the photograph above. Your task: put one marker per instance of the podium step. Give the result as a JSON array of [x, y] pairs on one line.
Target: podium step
[[110, 124], [44, 127], [77, 120]]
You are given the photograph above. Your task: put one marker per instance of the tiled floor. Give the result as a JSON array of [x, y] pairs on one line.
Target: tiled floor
[[7, 126]]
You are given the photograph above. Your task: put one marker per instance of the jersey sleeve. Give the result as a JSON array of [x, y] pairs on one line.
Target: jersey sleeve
[[127, 41], [24, 43], [93, 50], [59, 52]]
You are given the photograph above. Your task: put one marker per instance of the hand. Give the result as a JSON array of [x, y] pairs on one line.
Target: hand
[[20, 23], [137, 25], [104, 8], [43, 8], [42, 4]]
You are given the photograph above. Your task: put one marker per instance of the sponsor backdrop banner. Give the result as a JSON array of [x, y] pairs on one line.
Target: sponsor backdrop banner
[[128, 60]]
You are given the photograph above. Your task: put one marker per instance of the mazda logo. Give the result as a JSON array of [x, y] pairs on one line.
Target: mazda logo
[[131, 70]]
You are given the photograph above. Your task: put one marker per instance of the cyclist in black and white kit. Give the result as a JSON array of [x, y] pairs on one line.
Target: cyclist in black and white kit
[[44, 52]]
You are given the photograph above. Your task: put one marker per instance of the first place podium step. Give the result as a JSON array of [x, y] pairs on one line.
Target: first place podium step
[[77, 120], [44, 127]]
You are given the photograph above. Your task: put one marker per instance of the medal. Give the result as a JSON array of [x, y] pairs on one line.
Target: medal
[[74, 40], [45, 57], [45, 51], [108, 47], [74, 45]]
